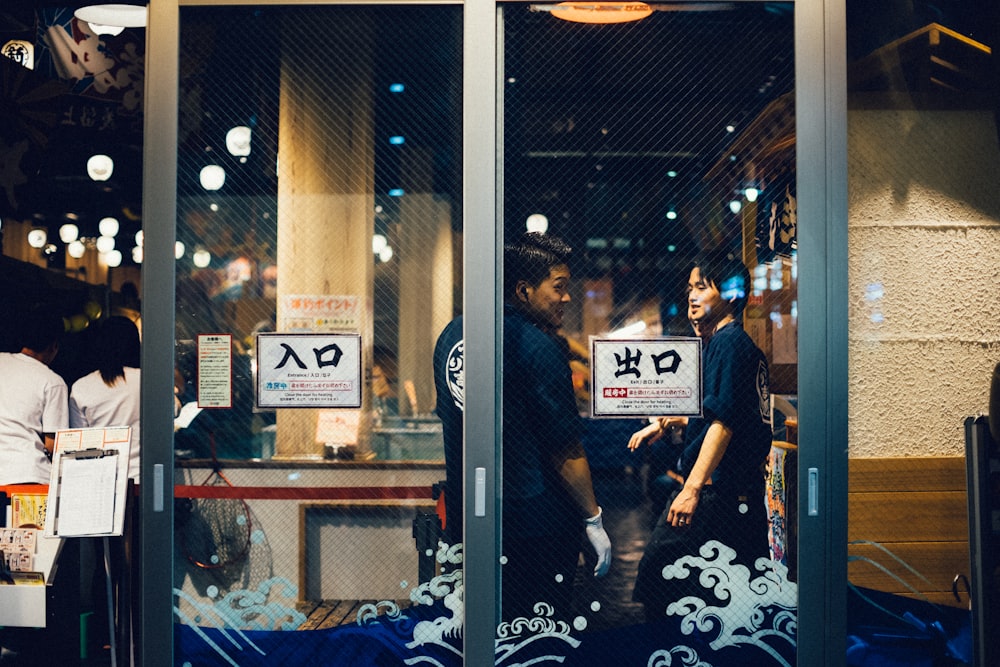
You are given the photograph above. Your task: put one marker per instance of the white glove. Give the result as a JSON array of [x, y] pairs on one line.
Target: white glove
[[599, 540]]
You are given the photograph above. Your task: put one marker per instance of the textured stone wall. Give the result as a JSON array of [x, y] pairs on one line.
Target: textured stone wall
[[924, 278]]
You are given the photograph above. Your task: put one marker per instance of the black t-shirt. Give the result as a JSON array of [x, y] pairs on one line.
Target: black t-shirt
[[540, 418], [736, 393], [449, 383]]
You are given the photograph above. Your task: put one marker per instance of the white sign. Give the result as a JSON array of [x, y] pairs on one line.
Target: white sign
[[645, 377], [302, 313], [308, 370], [215, 370]]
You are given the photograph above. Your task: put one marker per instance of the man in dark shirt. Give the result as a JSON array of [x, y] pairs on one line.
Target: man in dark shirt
[[722, 496], [548, 497]]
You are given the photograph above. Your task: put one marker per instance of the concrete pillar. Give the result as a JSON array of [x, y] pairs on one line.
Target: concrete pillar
[[325, 187]]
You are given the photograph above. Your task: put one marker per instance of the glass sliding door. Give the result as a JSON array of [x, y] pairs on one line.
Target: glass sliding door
[[661, 152], [318, 250], [343, 174]]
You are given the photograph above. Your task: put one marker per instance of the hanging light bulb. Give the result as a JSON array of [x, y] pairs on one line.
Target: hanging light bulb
[[735, 206], [105, 244], [37, 237], [137, 254], [212, 177], [178, 249], [385, 254], [100, 167], [113, 258], [76, 249], [379, 242], [139, 238], [238, 140], [108, 226], [201, 258], [751, 194], [537, 222], [69, 232]]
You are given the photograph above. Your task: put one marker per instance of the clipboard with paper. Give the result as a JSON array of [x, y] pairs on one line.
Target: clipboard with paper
[[88, 482]]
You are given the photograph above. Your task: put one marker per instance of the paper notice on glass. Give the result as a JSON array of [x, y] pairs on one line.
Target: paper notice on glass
[[86, 504], [215, 370]]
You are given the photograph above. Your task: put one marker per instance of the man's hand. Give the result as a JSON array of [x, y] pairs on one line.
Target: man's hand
[[682, 509], [600, 541], [645, 436], [657, 428]]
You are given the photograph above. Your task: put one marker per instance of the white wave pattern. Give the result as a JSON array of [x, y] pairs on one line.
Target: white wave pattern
[[757, 613]]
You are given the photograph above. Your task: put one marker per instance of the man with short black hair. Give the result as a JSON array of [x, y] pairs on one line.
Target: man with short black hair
[[34, 401], [548, 495], [722, 494]]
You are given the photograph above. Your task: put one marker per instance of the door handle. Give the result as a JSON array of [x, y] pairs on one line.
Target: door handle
[[480, 492]]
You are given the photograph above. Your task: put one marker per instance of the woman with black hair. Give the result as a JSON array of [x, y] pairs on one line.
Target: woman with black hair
[[110, 395]]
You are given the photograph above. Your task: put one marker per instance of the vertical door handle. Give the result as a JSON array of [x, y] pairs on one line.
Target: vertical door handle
[[480, 492], [157, 487], [813, 491]]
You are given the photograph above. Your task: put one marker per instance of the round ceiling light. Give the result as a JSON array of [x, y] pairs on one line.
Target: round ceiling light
[[76, 249], [100, 167], [37, 237], [113, 15], [108, 226], [212, 177], [113, 258], [537, 222], [601, 12], [238, 140], [105, 244], [69, 232]]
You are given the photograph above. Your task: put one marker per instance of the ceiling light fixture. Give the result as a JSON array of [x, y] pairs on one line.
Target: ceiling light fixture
[[537, 222], [37, 237], [108, 226], [598, 12], [76, 249], [238, 140], [105, 244], [107, 17], [212, 177], [69, 232], [100, 167], [201, 258], [113, 258]]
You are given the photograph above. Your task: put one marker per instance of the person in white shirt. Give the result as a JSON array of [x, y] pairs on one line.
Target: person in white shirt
[[109, 396], [33, 401]]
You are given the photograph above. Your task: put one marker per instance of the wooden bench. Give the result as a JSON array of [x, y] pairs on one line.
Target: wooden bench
[[916, 508], [325, 614]]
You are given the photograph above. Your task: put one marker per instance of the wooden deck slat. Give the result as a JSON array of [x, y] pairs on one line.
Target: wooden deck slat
[[318, 615], [344, 613], [334, 613]]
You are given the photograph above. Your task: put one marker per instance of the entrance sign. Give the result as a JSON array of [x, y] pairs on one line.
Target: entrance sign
[[308, 370], [645, 377]]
